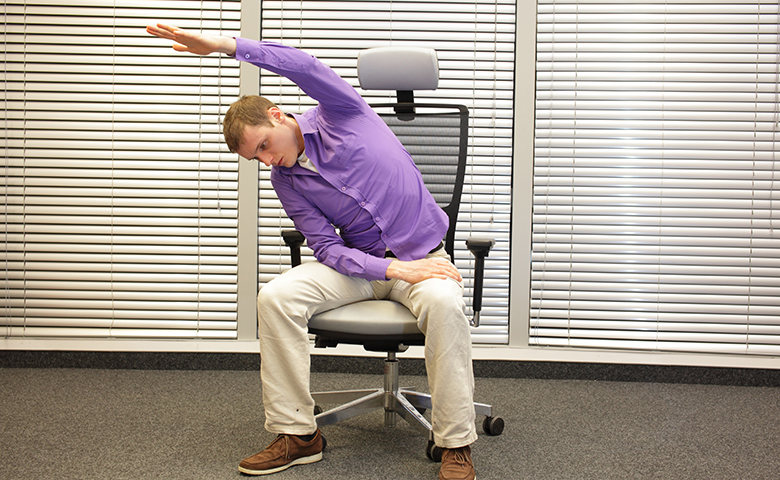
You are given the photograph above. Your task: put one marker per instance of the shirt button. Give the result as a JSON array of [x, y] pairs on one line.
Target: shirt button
[[362, 204], [343, 189], [246, 55]]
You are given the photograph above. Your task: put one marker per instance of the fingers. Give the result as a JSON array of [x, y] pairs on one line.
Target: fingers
[[163, 31], [168, 32], [183, 41], [169, 28], [419, 270], [445, 269]]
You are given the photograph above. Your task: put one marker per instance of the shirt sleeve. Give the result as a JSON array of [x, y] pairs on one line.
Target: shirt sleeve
[[315, 78], [328, 247]]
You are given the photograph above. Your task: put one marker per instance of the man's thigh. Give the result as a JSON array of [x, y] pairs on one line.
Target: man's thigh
[[318, 287], [415, 297]]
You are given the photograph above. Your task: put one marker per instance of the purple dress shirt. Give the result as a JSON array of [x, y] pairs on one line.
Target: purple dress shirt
[[368, 186]]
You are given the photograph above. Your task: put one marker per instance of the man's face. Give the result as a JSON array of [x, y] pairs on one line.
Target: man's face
[[276, 145]]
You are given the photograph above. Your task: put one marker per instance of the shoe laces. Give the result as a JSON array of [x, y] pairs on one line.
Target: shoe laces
[[286, 440], [459, 456]]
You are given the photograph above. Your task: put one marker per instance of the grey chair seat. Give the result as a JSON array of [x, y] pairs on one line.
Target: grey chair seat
[[378, 325]]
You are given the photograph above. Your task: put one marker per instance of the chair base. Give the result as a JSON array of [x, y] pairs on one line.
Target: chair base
[[407, 404]]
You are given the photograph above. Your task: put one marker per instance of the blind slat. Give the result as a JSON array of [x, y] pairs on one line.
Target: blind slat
[[656, 177], [120, 206]]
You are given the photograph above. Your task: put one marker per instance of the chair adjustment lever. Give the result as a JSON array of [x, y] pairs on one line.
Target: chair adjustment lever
[[479, 247]]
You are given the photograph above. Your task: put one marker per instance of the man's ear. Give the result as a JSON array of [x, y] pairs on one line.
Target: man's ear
[[276, 114]]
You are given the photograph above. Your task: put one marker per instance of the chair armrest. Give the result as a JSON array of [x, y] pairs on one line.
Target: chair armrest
[[294, 239], [479, 247]]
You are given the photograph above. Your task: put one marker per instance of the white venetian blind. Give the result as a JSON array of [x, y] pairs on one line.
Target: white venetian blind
[[119, 200], [656, 221], [475, 45]]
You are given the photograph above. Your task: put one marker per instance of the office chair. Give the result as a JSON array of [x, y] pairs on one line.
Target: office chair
[[436, 136]]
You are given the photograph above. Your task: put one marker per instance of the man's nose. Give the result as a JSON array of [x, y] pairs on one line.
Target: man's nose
[[266, 159]]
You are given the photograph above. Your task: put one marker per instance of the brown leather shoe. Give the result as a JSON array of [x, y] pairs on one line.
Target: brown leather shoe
[[456, 464], [283, 453]]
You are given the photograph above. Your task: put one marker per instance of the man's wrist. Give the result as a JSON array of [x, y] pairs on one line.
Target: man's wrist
[[227, 45], [392, 270]]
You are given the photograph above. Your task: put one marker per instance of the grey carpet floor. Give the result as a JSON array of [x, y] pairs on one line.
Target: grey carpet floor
[[162, 424]]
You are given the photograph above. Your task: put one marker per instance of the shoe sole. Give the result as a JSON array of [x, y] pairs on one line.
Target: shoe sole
[[298, 461]]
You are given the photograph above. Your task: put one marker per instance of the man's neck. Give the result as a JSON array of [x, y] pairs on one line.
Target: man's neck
[[298, 135]]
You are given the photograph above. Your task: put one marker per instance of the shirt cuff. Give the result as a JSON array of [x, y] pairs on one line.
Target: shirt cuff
[[242, 50], [376, 268]]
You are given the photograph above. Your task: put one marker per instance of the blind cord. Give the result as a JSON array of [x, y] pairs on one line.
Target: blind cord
[[24, 172], [6, 155], [112, 158]]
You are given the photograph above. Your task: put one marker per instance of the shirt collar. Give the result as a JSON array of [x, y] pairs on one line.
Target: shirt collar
[[303, 123]]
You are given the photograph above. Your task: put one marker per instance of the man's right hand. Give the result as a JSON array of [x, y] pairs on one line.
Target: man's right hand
[[194, 43]]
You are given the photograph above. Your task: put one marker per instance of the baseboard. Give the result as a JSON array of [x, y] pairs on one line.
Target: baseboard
[[410, 366]]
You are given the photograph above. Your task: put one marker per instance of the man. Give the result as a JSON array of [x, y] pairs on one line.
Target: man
[[338, 166]]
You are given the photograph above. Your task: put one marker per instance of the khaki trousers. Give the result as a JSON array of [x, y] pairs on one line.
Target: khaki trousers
[[285, 305]]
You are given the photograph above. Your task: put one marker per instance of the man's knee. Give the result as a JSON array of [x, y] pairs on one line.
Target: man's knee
[[276, 296], [442, 299], [439, 292]]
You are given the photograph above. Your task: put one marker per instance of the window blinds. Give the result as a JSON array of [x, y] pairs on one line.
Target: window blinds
[[119, 200], [656, 188], [475, 45]]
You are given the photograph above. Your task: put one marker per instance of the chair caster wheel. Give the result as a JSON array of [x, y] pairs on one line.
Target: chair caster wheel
[[433, 452], [493, 426]]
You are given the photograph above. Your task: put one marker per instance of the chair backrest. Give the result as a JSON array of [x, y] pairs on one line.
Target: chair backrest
[[436, 136]]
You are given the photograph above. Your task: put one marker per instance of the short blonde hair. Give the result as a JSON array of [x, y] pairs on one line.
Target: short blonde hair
[[249, 110]]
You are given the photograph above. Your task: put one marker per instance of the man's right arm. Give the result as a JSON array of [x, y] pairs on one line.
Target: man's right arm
[[315, 78]]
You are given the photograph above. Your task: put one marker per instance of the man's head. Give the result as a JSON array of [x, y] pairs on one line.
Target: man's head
[[257, 129], [249, 110]]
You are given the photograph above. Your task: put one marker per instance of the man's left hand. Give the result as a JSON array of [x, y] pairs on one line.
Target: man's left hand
[[418, 270]]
